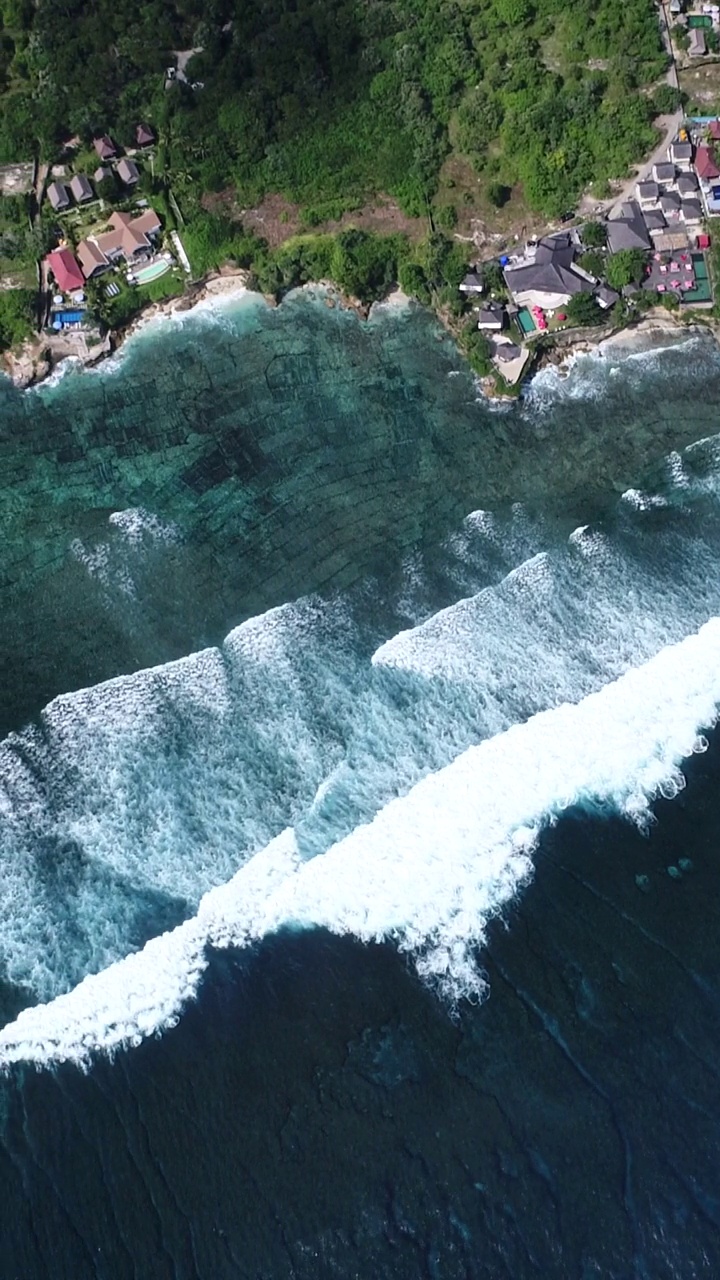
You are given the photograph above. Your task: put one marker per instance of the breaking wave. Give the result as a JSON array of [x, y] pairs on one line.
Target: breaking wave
[[429, 870]]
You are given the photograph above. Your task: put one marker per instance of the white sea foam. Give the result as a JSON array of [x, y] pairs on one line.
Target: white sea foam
[[430, 869]]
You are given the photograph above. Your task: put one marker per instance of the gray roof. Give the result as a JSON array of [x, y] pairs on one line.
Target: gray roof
[[127, 170], [491, 315], [58, 196], [508, 351], [687, 183], [552, 270], [606, 296], [681, 151], [670, 203], [648, 190], [654, 220], [80, 187], [664, 171], [697, 46], [472, 281], [629, 231], [692, 211]]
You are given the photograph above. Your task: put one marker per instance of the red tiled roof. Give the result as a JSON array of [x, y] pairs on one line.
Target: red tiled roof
[[703, 241], [66, 270], [705, 163], [714, 130]]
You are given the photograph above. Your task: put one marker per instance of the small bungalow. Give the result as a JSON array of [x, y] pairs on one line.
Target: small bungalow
[[144, 136], [629, 231], [103, 171], [671, 205], [664, 172], [81, 188], [655, 221], [648, 194], [105, 147], [692, 212], [507, 351], [57, 194], [687, 185], [492, 317], [606, 297], [66, 270], [697, 48], [472, 282], [714, 130], [127, 171], [680, 154]]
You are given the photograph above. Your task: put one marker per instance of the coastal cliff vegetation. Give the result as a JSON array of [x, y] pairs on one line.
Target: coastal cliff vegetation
[[330, 102]]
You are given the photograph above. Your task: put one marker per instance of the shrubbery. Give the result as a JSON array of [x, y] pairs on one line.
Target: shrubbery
[[331, 102]]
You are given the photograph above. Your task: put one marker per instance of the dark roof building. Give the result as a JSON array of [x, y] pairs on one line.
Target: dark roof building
[[105, 147], [58, 196], [692, 211], [472, 282], [648, 192], [606, 297], [507, 351], [687, 184], [81, 188], [492, 316], [629, 231], [655, 221], [664, 171], [550, 280], [681, 154], [670, 205]]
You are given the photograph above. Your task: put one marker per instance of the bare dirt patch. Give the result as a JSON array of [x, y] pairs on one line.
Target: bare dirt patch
[[277, 219], [478, 219]]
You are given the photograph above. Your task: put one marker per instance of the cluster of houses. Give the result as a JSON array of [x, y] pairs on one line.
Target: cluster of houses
[[128, 240], [78, 190], [665, 222], [698, 20]]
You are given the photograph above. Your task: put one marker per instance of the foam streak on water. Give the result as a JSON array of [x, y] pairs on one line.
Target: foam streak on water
[[430, 869]]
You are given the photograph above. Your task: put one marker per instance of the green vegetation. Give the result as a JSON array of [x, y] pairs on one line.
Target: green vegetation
[[594, 235], [583, 310], [625, 267], [477, 349], [332, 101], [665, 100], [130, 301], [593, 262], [16, 316]]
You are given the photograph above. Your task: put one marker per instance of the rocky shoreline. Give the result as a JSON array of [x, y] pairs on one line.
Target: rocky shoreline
[[37, 358]]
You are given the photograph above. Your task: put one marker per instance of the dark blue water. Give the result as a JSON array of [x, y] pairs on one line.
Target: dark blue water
[[438, 573], [318, 1113]]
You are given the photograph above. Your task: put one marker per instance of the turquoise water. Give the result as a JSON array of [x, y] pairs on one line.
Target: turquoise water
[[319, 670]]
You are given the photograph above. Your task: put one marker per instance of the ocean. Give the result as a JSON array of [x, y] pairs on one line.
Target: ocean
[[358, 808]]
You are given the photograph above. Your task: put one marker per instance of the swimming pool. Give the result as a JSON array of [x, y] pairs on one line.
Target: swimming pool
[[152, 272]]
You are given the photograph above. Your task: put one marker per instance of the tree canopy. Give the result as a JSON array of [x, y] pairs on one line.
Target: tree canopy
[[331, 101]]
